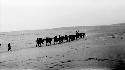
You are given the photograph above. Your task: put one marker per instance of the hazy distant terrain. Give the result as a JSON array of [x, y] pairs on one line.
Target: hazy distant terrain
[[103, 48]]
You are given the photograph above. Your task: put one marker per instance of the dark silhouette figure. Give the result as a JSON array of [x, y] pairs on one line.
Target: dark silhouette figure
[[39, 42], [48, 41], [77, 35], [56, 40], [66, 38], [62, 39], [59, 39], [82, 35], [9, 47], [0, 44], [72, 37]]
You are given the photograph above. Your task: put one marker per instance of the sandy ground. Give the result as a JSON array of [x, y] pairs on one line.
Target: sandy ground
[[101, 51]]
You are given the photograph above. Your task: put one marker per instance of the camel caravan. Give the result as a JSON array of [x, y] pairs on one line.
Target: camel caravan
[[56, 40], [59, 39]]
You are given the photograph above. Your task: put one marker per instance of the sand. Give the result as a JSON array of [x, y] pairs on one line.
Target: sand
[[100, 50]]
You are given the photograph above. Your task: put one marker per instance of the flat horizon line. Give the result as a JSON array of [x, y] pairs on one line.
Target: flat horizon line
[[121, 24]]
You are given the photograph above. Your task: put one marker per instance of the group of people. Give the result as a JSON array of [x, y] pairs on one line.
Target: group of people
[[59, 39], [56, 39]]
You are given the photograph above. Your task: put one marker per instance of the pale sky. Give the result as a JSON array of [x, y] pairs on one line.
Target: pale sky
[[45, 14]]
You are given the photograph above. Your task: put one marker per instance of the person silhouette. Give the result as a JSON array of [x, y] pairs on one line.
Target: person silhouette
[[9, 47]]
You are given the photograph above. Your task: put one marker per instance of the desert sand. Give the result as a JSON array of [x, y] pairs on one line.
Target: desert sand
[[102, 49]]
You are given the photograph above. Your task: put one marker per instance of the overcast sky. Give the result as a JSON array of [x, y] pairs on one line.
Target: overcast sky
[[43, 14]]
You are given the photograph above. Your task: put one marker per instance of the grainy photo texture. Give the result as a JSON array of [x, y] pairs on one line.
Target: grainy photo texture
[[62, 34]]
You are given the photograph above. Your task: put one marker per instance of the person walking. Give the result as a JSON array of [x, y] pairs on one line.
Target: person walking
[[9, 47]]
